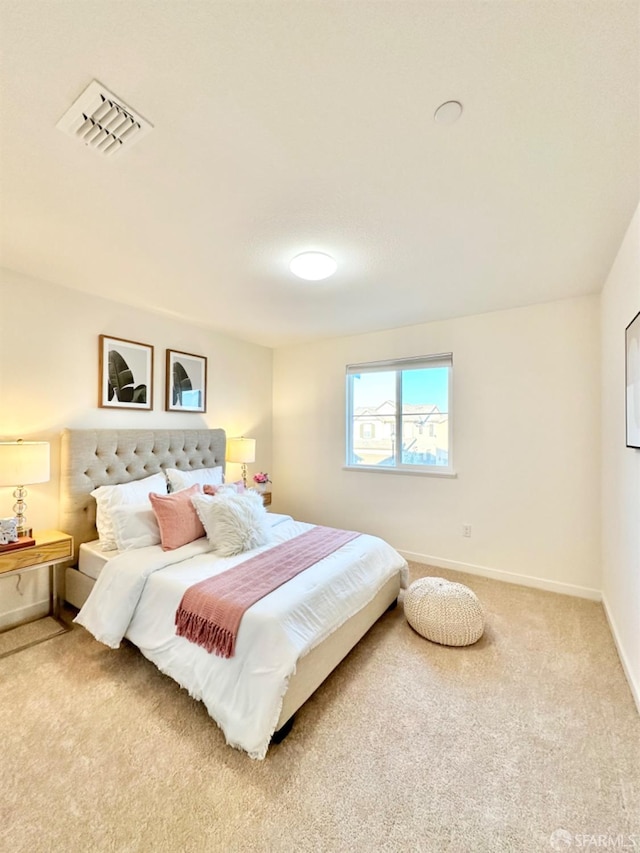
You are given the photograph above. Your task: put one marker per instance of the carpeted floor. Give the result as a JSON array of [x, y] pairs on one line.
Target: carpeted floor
[[408, 746], [24, 635]]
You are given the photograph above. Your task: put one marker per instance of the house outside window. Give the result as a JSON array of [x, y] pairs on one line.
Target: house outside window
[[399, 415], [366, 431]]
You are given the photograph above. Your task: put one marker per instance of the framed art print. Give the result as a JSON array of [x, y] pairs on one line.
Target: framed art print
[[186, 389], [632, 372], [125, 374]]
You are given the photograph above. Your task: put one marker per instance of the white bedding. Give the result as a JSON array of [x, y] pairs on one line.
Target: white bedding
[[92, 558], [137, 595]]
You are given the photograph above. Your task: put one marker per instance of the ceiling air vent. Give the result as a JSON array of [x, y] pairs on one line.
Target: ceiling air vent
[[102, 121]]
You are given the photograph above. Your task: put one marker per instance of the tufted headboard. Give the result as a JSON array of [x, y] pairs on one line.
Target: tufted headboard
[[104, 457]]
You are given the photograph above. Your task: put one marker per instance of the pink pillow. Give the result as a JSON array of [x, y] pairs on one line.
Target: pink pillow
[[177, 518], [238, 487]]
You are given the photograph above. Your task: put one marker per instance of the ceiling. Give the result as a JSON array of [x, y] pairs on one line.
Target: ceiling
[[286, 126]]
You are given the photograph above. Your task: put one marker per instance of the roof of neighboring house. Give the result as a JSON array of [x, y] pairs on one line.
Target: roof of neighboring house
[[429, 410]]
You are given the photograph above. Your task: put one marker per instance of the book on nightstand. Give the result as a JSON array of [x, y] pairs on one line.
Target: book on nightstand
[[23, 542]]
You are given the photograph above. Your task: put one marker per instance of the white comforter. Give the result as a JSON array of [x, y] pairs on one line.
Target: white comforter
[[137, 595]]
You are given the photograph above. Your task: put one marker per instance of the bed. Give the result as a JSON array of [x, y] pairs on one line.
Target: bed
[[287, 643]]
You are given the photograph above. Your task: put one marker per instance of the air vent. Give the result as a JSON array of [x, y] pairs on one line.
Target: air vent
[[103, 122]]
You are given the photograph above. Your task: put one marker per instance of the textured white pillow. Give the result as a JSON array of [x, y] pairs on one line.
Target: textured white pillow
[[109, 497], [135, 526], [200, 476], [233, 523]]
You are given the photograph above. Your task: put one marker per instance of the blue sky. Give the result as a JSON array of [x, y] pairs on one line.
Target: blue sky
[[426, 386]]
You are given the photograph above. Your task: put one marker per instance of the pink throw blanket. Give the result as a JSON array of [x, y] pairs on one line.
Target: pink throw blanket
[[210, 611]]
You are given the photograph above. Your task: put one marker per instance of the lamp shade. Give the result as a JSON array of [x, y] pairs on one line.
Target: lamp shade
[[241, 450], [23, 463]]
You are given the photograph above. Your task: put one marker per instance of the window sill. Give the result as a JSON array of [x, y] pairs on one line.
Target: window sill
[[448, 475]]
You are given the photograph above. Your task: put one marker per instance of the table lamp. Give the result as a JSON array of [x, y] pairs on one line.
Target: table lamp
[[23, 463], [241, 450]]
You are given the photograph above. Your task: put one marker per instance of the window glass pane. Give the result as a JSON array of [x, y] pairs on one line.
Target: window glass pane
[[374, 418], [425, 416]]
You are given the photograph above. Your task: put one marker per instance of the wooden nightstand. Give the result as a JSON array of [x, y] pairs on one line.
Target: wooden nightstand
[[266, 498], [52, 548]]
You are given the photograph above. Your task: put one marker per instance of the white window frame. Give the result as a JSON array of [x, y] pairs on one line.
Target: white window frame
[[398, 365]]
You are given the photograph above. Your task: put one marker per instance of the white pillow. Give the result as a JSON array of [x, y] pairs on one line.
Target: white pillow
[[201, 476], [233, 523], [135, 526], [109, 497]]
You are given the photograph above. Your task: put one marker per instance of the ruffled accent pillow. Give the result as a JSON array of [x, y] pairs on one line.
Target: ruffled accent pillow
[[177, 518], [234, 522]]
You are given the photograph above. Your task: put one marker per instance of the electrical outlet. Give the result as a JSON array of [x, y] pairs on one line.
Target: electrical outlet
[[466, 530]]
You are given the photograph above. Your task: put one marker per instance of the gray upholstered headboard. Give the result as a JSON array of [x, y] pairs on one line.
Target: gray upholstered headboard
[[104, 457]]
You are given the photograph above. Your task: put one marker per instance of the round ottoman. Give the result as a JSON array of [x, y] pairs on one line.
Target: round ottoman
[[444, 612]]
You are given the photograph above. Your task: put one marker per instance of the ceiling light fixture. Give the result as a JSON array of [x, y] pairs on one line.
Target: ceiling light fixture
[[448, 113], [313, 266]]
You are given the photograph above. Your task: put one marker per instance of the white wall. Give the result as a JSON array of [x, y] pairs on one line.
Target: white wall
[[620, 302], [527, 445], [49, 381]]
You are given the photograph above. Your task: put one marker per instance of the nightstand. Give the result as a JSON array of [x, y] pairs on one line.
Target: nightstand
[[51, 549], [266, 498]]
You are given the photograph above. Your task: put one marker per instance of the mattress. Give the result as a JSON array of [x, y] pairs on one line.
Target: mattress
[[92, 558]]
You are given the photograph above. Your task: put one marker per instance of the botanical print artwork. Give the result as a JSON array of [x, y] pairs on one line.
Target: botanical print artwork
[[126, 374], [186, 382], [632, 340]]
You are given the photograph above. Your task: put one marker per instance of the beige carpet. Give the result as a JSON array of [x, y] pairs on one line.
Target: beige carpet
[[408, 746], [25, 635]]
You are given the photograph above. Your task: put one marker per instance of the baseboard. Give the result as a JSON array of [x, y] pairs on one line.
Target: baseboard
[[507, 577], [633, 685], [24, 614]]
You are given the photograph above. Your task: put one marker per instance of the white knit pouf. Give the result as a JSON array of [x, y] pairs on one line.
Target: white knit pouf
[[444, 612]]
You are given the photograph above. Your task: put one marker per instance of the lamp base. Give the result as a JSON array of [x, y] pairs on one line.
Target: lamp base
[[19, 507]]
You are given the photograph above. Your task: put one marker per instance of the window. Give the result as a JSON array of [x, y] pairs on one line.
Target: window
[[398, 414]]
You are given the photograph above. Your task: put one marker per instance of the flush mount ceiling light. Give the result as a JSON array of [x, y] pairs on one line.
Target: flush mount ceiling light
[[313, 266], [448, 113]]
